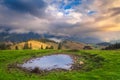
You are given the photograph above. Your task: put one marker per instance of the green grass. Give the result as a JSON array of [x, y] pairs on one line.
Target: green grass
[[109, 71]]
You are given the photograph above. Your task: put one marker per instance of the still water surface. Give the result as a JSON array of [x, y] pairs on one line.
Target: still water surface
[[56, 61]]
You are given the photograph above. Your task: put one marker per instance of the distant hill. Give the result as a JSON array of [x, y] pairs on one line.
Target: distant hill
[[14, 37], [104, 44], [72, 45], [115, 41], [21, 37]]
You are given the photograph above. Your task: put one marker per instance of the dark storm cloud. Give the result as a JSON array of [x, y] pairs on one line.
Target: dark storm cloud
[[112, 13], [33, 7], [83, 29], [40, 16], [115, 11]]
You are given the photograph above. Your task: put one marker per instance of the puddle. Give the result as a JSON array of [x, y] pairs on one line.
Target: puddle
[[57, 61], [61, 62]]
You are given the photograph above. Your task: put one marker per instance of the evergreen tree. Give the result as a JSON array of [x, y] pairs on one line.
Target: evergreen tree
[[113, 46], [59, 46], [47, 47], [41, 46], [30, 46], [16, 47], [4, 46], [26, 46], [51, 47]]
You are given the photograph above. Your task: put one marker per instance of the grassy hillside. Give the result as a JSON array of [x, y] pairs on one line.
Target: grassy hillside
[[34, 44], [72, 45], [38, 44], [109, 71]]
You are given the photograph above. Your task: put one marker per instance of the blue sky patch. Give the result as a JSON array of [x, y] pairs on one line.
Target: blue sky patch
[[91, 12], [70, 4]]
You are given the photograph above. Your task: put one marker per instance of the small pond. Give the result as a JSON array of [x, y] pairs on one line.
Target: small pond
[[56, 61]]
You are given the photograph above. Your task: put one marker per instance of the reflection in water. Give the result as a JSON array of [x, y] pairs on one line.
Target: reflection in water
[[61, 61]]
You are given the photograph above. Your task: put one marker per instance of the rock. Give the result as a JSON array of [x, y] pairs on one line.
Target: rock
[[81, 63]]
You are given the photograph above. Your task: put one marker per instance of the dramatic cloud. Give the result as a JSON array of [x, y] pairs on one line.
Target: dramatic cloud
[[82, 18], [34, 7]]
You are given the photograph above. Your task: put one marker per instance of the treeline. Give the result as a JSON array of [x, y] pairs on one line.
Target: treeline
[[112, 47], [4, 46], [7, 46]]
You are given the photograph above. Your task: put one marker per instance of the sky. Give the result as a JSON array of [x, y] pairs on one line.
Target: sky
[[82, 18]]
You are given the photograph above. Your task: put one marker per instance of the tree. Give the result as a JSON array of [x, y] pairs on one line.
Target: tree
[[30, 46], [41, 46], [26, 46], [47, 47], [16, 47], [51, 47], [4, 46], [59, 45], [113, 47]]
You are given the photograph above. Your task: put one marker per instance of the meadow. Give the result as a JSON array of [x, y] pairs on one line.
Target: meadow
[[109, 71]]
